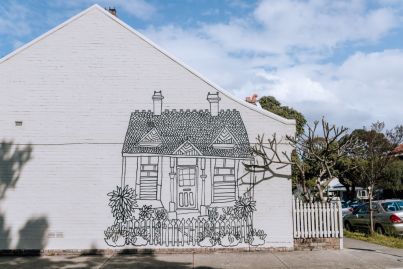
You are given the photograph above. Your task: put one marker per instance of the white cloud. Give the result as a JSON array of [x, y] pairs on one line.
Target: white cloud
[[371, 83], [281, 26]]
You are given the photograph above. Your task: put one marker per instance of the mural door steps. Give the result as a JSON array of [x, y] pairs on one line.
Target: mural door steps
[[183, 190]]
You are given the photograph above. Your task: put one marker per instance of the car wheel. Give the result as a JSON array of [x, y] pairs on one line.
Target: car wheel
[[379, 229], [348, 226]]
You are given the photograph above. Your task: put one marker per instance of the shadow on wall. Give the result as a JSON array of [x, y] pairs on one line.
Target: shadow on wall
[[33, 234], [12, 160], [5, 239]]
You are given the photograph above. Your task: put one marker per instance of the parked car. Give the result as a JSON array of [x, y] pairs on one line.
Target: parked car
[[387, 214], [355, 204], [346, 209]]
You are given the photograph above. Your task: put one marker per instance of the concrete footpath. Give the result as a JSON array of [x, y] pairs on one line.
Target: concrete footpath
[[357, 254]]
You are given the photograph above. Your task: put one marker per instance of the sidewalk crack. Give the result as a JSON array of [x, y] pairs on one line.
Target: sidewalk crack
[[282, 262], [107, 260]]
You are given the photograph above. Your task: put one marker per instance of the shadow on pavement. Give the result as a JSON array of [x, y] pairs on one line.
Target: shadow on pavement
[[95, 261]]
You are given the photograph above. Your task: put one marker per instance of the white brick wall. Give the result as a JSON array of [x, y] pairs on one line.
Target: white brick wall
[[77, 87]]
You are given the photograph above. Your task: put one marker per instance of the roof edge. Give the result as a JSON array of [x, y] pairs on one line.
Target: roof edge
[[128, 27]]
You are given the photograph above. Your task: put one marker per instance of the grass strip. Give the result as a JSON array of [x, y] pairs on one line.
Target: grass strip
[[384, 240]]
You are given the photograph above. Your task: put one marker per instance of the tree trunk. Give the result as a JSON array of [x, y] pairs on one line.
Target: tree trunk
[[371, 215], [352, 193], [305, 193], [320, 191]]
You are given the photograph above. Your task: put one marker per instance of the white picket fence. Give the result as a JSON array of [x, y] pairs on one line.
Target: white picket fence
[[317, 220]]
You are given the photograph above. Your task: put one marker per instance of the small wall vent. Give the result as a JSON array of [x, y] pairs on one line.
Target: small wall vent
[[18, 123], [55, 235]]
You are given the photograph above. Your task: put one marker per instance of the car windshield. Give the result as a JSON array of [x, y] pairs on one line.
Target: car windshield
[[393, 206]]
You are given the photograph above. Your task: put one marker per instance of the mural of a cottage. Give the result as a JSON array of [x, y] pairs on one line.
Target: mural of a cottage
[[108, 141], [177, 150]]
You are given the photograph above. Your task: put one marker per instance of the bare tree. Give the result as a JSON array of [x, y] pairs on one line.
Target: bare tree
[[316, 152]]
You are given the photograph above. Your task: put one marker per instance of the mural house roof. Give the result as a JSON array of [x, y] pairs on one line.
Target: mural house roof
[[187, 133]]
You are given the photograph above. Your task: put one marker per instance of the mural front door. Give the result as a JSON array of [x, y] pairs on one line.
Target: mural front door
[[187, 187]]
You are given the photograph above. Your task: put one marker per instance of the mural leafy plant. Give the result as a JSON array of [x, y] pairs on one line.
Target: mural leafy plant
[[122, 201], [244, 207]]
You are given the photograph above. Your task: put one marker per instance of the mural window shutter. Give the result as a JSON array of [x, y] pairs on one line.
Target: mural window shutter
[[224, 180], [148, 178]]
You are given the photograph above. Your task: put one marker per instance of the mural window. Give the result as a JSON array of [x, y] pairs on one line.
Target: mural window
[[149, 167], [187, 176], [224, 170]]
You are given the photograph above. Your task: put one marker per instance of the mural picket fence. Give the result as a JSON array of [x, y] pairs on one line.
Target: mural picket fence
[[317, 220], [184, 232]]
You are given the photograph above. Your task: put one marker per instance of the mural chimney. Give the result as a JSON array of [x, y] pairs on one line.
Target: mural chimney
[[157, 102], [214, 101]]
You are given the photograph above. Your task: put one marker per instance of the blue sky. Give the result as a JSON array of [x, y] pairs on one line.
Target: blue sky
[[338, 59]]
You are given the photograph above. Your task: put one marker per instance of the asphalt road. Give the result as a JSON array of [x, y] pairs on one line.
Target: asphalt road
[[357, 254]]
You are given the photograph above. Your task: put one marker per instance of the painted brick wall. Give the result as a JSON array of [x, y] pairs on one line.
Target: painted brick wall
[[74, 91]]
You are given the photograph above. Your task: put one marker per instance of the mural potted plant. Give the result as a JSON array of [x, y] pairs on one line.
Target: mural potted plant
[[229, 239], [161, 216], [209, 237], [243, 209], [122, 202], [139, 236], [256, 237]]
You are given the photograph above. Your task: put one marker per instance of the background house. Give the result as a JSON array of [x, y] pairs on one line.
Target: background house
[[66, 98], [336, 189]]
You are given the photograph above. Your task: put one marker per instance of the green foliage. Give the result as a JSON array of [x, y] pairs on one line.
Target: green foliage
[[393, 176], [273, 105], [369, 163], [372, 156], [122, 201]]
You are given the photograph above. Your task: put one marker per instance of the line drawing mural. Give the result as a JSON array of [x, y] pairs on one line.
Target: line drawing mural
[[181, 180]]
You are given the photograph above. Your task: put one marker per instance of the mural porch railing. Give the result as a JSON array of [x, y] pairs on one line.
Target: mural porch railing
[[190, 232]]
